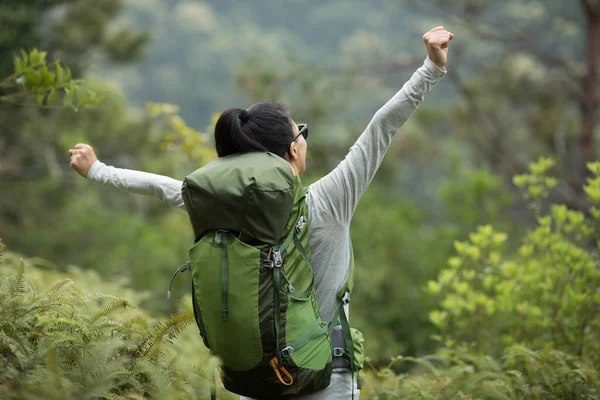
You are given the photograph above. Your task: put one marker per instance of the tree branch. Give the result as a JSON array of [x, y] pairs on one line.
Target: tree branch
[[591, 8], [514, 41], [587, 7]]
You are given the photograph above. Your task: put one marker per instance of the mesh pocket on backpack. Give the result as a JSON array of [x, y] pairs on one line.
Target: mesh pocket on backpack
[[237, 341]]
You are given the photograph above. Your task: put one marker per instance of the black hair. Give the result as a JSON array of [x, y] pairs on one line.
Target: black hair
[[261, 128]]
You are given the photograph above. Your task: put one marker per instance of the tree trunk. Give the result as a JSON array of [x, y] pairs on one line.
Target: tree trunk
[[590, 89]]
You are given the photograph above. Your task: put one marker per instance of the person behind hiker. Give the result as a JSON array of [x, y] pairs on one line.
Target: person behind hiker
[[331, 200]]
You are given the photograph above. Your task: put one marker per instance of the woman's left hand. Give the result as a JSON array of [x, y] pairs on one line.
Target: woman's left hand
[[437, 41], [82, 158]]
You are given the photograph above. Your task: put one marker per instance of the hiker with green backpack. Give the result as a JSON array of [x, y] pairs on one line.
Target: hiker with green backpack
[[272, 267]]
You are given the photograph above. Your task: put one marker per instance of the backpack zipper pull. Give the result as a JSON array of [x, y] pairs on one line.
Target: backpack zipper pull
[[218, 237], [277, 263], [290, 287]]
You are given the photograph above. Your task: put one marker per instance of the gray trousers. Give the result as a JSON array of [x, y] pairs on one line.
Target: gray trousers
[[340, 388]]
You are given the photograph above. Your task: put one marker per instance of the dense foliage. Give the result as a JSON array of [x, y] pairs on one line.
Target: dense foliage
[[544, 296], [62, 339], [543, 305], [472, 290]]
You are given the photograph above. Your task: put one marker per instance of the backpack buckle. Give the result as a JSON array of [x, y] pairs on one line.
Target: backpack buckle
[[277, 259], [346, 298], [338, 351], [218, 236], [287, 351], [300, 225]]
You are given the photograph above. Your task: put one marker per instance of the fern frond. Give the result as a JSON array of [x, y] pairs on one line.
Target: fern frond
[[113, 396], [198, 370], [16, 348], [54, 289], [109, 309], [81, 300], [108, 325], [136, 321], [170, 328], [183, 388], [50, 321], [57, 379], [16, 290], [5, 299], [105, 379], [18, 284], [28, 283], [39, 306], [63, 329], [43, 263]]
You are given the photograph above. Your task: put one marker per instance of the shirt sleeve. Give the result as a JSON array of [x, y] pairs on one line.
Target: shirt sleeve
[[165, 188], [337, 194]]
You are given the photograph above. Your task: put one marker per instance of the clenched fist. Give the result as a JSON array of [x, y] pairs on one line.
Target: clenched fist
[[437, 41], [82, 158]]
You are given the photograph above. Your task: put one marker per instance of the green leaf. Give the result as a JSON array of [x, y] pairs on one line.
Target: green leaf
[[34, 57], [68, 99], [439, 318], [25, 59], [559, 212], [433, 287], [594, 168], [101, 98], [454, 262], [59, 73], [52, 97], [18, 65], [39, 98], [536, 191], [459, 246], [499, 238], [550, 182], [593, 192], [32, 79], [45, 77], [520, 181]]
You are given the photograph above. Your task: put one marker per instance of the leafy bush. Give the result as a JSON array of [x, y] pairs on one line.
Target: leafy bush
[[61, 343], [455, 373], [34, 76], [545, 296], [512, 326]]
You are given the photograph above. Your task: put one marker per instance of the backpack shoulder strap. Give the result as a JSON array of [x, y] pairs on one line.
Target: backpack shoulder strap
[[346, 289]]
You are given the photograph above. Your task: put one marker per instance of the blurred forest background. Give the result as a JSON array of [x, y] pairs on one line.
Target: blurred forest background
[[476, 244]]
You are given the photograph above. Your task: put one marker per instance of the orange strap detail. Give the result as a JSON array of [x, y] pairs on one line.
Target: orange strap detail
[[275, 365]]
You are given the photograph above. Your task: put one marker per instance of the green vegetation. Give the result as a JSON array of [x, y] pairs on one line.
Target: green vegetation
[[66, 336], [522, 328], [471, 289]]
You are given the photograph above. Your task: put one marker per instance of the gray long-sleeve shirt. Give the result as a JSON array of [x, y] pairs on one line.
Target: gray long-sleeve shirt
[[331, 200]]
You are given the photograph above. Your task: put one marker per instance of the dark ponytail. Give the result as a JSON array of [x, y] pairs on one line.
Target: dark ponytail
[[263, 127]]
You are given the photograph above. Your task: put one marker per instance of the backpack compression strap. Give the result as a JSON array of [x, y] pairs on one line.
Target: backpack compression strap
[[279, 252], [340, 318], [221, 238]]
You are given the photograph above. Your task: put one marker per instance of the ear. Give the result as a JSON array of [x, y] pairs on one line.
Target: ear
[[293, 151]]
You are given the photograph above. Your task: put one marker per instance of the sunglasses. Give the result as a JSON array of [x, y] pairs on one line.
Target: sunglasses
[[302, 131]]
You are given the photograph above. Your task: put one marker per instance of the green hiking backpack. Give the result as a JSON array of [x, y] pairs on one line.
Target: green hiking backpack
[[252, 280]]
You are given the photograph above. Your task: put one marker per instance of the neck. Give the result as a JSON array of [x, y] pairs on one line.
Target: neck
[[293, 168]]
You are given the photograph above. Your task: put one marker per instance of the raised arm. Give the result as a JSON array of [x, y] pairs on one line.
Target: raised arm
[[338, 193], [84, 161]]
